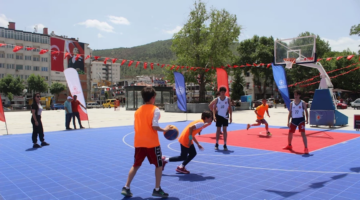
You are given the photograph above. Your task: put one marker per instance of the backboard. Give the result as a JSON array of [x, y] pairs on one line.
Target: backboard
[[303, 49]]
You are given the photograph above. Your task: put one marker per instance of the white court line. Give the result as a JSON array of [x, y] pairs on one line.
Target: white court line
[[220, 155], [258, 168]]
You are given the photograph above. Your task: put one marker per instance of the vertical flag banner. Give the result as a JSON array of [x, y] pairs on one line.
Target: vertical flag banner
[[180, 91], [57, 57], [222, 80], [2, 114], [73, 81], [280, 80]]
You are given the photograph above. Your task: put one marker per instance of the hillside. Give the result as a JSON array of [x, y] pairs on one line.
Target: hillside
[[156, 52]]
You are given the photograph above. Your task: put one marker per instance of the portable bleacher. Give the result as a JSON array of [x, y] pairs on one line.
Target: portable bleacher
[[324, 112]]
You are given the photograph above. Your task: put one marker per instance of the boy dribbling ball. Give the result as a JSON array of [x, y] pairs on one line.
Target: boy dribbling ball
[[146, 141], [260, 111], [188, 151]]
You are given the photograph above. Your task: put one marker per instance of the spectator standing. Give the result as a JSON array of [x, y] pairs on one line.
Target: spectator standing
[[36, 110], [68, 112], [75, 110]]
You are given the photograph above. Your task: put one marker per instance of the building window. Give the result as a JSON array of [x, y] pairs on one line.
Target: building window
[[21, 77], [2, 32], [9, 55], [44, 59], [2, 55], [27, 57], [2, 75], [36, 68], [2, 65], [46, 78], [19, 56], [27, 67], [36, 58], [44, 69], [19, 67], [10, 66]]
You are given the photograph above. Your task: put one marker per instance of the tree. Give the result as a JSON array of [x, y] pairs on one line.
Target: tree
[[10, 96], [237, 86], [10, 86], [204, 41], [37, 84], [56, 88], [257, 50], [106, 95], [355, 30]]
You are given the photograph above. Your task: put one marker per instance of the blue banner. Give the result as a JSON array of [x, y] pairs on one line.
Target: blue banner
[[280, 80], [180, 91]]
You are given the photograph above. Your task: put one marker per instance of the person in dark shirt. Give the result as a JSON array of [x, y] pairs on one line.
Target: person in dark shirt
[[36, 110]]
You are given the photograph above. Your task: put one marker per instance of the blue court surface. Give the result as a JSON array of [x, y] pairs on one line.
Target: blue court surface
[[94, 164]]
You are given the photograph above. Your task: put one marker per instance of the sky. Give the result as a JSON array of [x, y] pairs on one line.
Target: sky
[[123, 23]]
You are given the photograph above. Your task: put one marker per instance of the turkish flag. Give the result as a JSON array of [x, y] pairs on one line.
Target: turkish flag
[[17, 48], [123, 62], [145, 65], [2, 114], [30, 48], [57, 61], [162, 65], [222, 80], [87, 57], [2, 44], [152, 65], [114, 60], [106, 60], [66, 55], [130, 63], [77, 57], [137, 63], [96, 57], [43, 51]]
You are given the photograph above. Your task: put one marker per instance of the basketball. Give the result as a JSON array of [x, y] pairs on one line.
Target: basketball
[[172, 134]]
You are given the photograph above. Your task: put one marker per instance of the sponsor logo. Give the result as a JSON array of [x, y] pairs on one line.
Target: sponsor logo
[[282, 84], [75, 91]]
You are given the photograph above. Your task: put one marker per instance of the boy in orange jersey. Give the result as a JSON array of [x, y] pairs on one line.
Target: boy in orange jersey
[[146, 141], [260, 111], [188, 151]]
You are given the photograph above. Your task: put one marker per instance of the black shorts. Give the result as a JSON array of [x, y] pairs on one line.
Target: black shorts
[[221, 121]]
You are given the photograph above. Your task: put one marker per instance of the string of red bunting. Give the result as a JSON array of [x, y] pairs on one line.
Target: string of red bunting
[[172, 67]]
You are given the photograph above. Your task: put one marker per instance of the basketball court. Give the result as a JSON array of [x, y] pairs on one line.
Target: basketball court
[[94, 163]]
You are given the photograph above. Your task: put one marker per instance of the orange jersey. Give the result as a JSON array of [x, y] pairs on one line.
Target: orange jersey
[[261, 110], [184, 137], [145, 135]]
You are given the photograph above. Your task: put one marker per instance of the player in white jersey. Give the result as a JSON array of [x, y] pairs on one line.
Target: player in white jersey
[[296, 113], [222, 111]]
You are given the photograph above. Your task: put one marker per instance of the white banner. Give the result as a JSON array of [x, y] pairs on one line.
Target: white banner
[[73, 81]]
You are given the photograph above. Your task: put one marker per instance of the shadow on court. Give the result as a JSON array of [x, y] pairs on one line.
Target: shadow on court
[[191, 177], [150, 198], [355, 169], [224, 152], [316, 185]]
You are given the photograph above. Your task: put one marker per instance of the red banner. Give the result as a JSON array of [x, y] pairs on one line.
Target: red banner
[[57, 61], [2, 114], [222, 80]]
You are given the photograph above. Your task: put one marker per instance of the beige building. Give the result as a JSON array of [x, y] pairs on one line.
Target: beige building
[[109, 72]]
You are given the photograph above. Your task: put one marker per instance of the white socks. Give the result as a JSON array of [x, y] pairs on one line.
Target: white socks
[[181, 166], [157, 189], [167, 159], [127, 187]]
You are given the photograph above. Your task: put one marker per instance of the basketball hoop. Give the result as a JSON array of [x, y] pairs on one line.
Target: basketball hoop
[[289, 62]]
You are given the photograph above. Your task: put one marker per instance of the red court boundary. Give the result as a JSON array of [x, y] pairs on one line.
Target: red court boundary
[[251, 139]]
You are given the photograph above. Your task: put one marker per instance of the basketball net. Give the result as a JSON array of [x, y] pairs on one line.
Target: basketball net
[[289, 62]]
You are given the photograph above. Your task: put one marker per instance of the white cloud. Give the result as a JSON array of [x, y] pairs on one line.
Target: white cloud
[[175, 30], [4, 21], [119, 20], [94, 23], [40, 27], [344, 43], [100, 36]]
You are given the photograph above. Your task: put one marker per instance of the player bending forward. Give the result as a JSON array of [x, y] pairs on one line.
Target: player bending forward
[[260, 112], [188, 151], [296, 113]]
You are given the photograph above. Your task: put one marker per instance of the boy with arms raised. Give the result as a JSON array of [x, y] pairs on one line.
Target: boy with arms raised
[[146, 141], [188, 151]]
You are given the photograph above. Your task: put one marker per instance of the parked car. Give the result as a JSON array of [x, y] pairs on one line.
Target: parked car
[[58, 106], [355, 104], [109, 103], [93, 105], [341, 105]]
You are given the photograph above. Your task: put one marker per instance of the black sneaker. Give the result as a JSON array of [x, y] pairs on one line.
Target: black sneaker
[[81, 127], [45, 144], [160, 193], [225, 147], [216, 146], [126, 192], [69, 129], [35, 146]]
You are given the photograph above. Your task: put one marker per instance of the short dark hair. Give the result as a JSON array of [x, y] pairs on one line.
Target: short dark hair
[[222, 89], [298, 92], [147, 93], [206, 114], [217, 93]]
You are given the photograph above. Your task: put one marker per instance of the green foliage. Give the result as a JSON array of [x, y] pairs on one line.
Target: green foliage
[[37, 84], [56, 88], [10, 96], [81, 72], [258, 50], [237, 86], [355, 30], [205, 41], [11, 86]]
